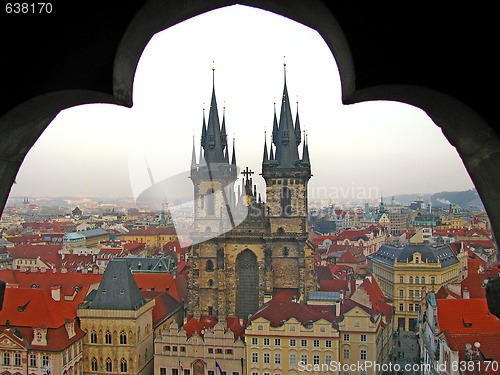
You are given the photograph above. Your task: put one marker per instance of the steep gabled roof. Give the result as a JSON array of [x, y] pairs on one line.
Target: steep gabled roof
[[117, 290]]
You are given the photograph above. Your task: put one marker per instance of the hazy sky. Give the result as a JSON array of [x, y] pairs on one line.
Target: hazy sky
[[384, 147]]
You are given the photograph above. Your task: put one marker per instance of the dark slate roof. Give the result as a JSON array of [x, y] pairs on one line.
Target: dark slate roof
[[117, 290], [93, 232], [168, 263], [388, 254]]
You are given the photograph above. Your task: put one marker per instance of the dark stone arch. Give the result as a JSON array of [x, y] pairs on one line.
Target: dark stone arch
[[383, 70], [247, 280]]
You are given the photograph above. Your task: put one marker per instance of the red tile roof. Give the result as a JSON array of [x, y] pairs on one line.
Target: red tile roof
[[466, 316], [33, 251]]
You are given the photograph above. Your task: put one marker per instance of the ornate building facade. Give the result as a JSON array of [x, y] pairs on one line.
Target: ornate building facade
[[245, 249]]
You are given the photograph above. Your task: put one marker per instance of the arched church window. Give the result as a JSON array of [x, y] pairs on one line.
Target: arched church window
[[109, 365], [286, 202], [285, 251], [93, 364], [211, 202], [123, 338], [123, 365], [209, 266]]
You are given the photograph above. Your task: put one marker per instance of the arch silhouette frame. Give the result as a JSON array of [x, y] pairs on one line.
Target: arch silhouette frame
[[476, 141]]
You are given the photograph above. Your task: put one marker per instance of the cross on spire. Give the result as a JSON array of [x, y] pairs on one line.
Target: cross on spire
[[247, 173]]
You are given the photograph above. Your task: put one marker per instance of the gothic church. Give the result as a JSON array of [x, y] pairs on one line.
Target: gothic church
[[245, 250]]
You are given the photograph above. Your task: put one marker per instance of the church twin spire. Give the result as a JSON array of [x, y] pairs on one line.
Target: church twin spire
[[214, 147], [286, 137]]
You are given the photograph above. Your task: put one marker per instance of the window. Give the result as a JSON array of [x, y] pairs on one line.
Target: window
[[260, 327], [433, 280], [328, 359], [346, 337], [328, 343], [33, 360], [209, 267], [163, 371], [45, 360], [401, 307], [422, 280], [277, 342], [316, 343], [123, 338], [417, 293], [123, 365], [266, 341], [293, 342], [93, 365], [6, 359], [411, 279], [93, 337], [346, 353], [410, 307], [228, 351], [175, 371], [316, 359], [17, 359], [255, 341], [211, 202], [417, 280], [411, 293], [39, 336], [109, 365], [255, 357], [356, 323], [107, 337], [303, 359], [363, 354], [303, 342], [277, 358], [210, 350], [293, 359], [401, 279], [267, 358], [218, 351], [363, 337]]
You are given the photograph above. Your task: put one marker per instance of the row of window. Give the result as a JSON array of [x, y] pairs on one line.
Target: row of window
[[108, 365], [411, 307], [16, 360], [176, 371], [411, 293], [304, 342], [292, 357], [416, 279], [182, 349], [108, 338]]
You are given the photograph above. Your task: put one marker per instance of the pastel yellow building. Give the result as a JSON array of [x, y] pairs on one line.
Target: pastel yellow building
[[153, 237], [327, 335], [405, 274], [118, 323]]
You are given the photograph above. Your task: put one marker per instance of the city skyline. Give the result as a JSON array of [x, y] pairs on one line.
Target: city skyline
[[375, 148]]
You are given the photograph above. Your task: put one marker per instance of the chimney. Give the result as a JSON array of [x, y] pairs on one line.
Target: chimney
[[55, 292], [465, 293]]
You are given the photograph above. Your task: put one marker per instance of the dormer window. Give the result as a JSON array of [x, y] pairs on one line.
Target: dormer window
[[39, 336]]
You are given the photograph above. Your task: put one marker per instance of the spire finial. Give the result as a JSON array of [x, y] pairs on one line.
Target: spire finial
[[284, 67], [213, 73]]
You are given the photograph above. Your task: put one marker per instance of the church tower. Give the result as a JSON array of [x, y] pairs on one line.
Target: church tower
[[213, 177], [245, 250], [287, 175]]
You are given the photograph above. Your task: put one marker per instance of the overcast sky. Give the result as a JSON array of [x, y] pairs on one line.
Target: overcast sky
[[384, 147]]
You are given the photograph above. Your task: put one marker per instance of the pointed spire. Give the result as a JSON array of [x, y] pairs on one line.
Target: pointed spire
[[193, 156], [265, 158], [233, 159], [223, 134], [298, 132], [286, 144], [275, 125], [305, 151], [214, 150], [271, 153], [203, 128]]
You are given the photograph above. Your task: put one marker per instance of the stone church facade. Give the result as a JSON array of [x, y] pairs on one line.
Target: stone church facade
[[244, 249]]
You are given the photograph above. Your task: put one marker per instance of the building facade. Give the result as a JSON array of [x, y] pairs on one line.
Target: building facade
[[406, 274], [118, 323]]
